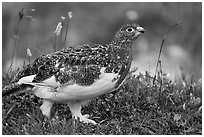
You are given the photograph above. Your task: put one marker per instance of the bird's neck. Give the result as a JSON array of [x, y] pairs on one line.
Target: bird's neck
[[122, 48], [122, 42]]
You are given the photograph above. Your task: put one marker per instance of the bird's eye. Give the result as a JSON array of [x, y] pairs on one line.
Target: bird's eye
[[129, 30]]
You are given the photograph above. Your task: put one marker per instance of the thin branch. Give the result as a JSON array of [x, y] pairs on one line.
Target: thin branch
[[161, 47]]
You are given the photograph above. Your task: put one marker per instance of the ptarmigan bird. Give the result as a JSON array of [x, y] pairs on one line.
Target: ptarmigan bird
[[78, 74]]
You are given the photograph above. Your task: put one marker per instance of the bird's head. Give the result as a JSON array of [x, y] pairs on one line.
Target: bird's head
[[128, 33]]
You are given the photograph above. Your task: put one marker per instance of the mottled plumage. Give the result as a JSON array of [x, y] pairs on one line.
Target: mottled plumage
[[77, 74]]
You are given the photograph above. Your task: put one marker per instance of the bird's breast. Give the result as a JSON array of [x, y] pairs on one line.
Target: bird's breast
[[105, 83]]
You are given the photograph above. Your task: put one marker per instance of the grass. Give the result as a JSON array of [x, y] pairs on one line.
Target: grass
[[137, 107]]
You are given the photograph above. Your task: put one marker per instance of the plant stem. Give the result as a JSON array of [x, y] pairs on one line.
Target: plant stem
[[61, 43], [16, 41], [55, 42], [161, 47], [68, 19]]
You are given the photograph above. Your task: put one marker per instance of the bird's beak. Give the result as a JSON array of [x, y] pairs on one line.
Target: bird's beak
[[140, 29]]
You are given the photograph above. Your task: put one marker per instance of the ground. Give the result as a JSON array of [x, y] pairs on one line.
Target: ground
[[137, 107]]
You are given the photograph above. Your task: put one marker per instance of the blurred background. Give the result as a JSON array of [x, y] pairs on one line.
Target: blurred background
[[98, 23]]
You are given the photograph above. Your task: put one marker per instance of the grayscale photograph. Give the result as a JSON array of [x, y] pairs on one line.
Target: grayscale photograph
[[101, 68]]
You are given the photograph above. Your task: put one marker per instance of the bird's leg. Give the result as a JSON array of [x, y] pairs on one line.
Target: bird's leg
[[75, 108], [46, 107]]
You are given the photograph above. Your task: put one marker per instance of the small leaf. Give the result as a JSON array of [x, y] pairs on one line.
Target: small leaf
[[177, 117]]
